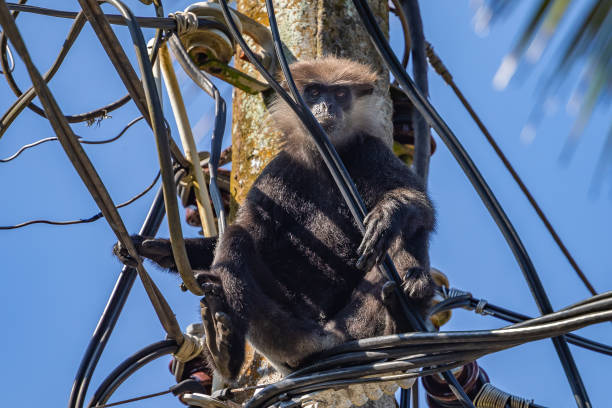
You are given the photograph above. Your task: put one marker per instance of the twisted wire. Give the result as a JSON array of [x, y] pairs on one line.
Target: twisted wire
[[186, 22], [490, 396]]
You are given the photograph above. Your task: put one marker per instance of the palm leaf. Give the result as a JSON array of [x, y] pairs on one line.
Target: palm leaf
[[586, 43]]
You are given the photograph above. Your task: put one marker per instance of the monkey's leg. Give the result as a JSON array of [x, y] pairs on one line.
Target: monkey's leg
[[282, 337], [411, 258], [200, 251]]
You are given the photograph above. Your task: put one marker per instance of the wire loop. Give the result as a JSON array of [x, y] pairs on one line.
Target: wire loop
[[186, 22]]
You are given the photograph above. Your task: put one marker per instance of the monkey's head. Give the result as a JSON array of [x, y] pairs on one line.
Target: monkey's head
[[339, 93]]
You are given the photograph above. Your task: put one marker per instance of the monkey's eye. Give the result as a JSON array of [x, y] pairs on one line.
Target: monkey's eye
[[341, 93], [314, 91]]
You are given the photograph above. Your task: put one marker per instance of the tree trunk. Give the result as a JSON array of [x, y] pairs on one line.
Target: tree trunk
[[309, 29]]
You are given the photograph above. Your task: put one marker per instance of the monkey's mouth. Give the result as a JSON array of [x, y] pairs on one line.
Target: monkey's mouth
[[327, 121]]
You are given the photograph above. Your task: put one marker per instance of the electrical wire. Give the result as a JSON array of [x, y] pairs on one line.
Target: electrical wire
[[128, 367], [113, 309], [399, 11], [145, 95], [88, 173], [209, 87], [24, 99], [93, 218], [164, 23], [127, 401], [422, 136], [442, 70], [81, 140], [392, 353], [468, 302], [11, 60], [481, 187]]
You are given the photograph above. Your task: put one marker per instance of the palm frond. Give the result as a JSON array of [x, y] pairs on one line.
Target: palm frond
[[586, 43]]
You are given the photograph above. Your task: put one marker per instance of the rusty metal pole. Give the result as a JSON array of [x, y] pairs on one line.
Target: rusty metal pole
[[309, 29]]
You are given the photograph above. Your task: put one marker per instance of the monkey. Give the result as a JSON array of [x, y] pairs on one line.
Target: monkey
[[293, 274]]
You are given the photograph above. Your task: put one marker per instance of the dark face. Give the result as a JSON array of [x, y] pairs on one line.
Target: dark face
[[328, 104]]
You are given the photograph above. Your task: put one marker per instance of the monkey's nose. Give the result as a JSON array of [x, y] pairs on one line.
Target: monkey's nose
[[324, 111]]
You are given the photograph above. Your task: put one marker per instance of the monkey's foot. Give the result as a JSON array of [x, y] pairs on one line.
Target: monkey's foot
[[377, 237], [418, 287], [218, 329], [388, 294], [418, 284]]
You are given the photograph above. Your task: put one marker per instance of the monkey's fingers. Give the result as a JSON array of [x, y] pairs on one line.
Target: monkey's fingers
[[375, 243], [370, 228], [122, 253], [223, 356], [159, 251], [224, 325], [208, 322], [156, 247]]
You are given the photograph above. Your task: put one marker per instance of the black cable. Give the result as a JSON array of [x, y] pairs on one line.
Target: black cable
[[147, 22], [455, 348], [159, 23], [300, 389], [93, 218], [219, 127], [514, 317], [25, 98], [471, 303], [422, 137], [10, 59], [84, 141], [111, 312], [267, 395], [128, 367], [487, 196], [349, 358]]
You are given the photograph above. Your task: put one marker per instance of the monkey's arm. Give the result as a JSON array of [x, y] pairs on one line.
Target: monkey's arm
[[396, 199], [200, 251]]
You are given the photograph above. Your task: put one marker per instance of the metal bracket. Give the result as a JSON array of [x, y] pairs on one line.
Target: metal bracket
[[212, 50]]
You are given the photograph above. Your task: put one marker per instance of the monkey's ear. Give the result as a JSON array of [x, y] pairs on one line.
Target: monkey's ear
[[363, 90]]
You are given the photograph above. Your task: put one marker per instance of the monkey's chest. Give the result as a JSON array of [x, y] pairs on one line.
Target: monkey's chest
[[314, 252]]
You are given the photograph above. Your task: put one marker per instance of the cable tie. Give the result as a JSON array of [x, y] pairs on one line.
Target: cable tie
[[482, 303], [186, 22], [454, 292]]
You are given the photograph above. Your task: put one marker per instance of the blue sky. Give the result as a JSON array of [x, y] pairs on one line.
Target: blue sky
[[57, 279]]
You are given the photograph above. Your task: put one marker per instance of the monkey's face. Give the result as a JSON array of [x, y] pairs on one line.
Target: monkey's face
[[329, 104]]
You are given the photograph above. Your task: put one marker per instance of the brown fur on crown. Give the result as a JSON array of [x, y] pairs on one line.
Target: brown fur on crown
[[332, 71]]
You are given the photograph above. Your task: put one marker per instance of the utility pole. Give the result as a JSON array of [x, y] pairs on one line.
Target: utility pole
[[309, 29]]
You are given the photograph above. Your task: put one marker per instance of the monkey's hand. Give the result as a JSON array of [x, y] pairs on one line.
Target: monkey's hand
[[381, 226], [155, 249]]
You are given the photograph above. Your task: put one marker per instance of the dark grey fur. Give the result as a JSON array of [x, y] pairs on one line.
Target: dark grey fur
[[284, 274]]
